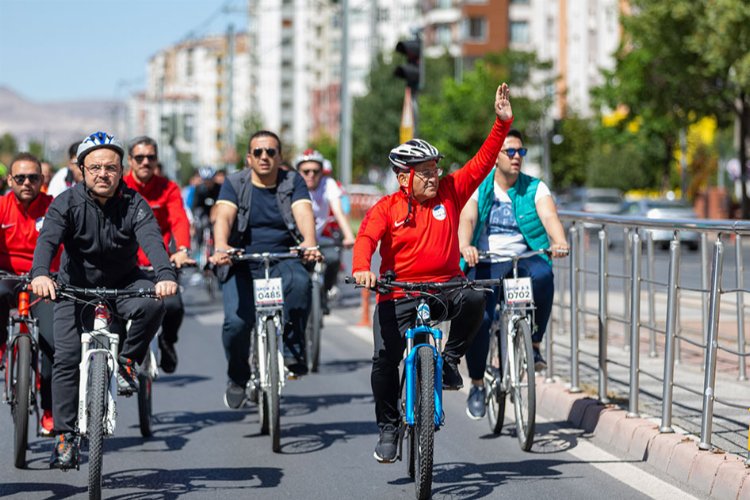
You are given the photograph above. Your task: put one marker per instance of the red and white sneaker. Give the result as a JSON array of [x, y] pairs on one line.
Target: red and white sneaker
[[47, 424], [3, 347]]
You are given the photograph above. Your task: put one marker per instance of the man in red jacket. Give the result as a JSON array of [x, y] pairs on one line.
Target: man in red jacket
[[22, 212], [165, 199], [417, 229]]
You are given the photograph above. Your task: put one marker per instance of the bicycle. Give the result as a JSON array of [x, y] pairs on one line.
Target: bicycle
[[22, 373], [315, 319], [268, 372], [421, 399], [511, 371], [97, 390]]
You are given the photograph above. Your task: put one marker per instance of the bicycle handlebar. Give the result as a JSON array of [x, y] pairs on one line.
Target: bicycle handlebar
[[486, 256], [105, 293], [295, 252], [387, 285]]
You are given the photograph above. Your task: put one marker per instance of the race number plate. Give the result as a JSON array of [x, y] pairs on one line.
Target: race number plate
[[518, 291], [268, 292]]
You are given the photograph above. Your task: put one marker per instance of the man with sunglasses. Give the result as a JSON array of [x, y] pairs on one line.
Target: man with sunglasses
[[325, 194], [509, 214], [22, 213], [165, 199], [263, 209], [416, 229]]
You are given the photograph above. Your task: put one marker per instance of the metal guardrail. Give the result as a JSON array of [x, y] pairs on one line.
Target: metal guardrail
[[638, 278]]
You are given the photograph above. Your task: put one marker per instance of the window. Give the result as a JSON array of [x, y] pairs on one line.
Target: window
[[444, 4], [476, 28], [520, 1], [187, 127], [519, 32], [189, 64], [443, 34]]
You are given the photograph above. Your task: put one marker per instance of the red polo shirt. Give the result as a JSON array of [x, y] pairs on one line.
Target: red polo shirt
[[164, 198], [19, 229]]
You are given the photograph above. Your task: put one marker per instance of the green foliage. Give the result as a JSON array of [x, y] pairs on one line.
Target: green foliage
[[329, 148], [623, 159], [251, 124], [570, 158], [37, 149], [8, 148]]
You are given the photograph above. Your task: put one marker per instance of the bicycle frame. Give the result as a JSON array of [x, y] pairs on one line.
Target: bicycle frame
[[99, 335], [23, 320]]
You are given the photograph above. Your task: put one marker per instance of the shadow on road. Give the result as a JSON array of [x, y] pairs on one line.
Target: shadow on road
[[549, 437], [309, 438], [304, 405], [179, 380], [169, 484], [55, 490], [344, 366]]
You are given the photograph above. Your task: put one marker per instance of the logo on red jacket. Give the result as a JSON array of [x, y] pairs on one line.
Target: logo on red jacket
[[439, 212], [39, 224]]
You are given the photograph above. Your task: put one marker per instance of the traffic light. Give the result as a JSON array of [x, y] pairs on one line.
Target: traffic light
[[412, 70]]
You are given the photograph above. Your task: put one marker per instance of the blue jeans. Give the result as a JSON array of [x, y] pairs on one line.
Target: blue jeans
[[239, 313], [542, 282]]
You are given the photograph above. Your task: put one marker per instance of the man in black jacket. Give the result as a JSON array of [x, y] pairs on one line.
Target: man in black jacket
[[101, 222]]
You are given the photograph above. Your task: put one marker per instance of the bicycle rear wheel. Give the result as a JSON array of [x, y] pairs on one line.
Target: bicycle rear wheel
[[21, 399], [424, 428], [523, 386], [96, 408], [496, 396], [274, 390], [145, 408], [312, 332]]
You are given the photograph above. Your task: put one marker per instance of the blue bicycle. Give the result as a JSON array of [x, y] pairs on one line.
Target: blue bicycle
[[421, 400]]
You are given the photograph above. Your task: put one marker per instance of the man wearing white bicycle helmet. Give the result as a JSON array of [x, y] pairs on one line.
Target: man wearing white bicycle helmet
[[101, 223], [416, 229]]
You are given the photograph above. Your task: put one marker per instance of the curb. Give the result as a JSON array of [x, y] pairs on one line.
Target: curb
[[715, 474]]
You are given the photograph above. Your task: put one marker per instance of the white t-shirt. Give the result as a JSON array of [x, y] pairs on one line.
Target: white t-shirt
[[58, 183], [327, 191], [501, 233]]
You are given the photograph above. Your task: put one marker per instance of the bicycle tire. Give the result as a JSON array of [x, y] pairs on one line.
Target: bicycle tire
[[312, 332], [274, 389], [145, 401], [96, 408], [262, 396], [21, 400], [424, 413], [496, 395], [524, 385]]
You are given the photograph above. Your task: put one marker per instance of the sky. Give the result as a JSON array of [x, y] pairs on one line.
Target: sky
[[60, 50]]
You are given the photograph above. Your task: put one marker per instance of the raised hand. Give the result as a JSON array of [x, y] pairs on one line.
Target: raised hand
[[502, 103]]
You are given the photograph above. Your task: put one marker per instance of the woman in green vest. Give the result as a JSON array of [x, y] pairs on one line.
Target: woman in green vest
[[509, 214]]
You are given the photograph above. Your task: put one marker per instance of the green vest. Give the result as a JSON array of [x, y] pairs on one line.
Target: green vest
[[521, 195]]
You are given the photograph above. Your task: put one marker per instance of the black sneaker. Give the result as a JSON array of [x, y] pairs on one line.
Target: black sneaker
[[234, 396], [168, 360], [452, 380], [296, 366], [127, 377], [65, 453], [387, 447], [539, 362], [476, 403]]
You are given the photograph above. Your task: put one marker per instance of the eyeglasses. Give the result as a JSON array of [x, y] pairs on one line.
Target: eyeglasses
[[511, 152], [308, 171], [21, 178], [258, 152], [97, 169], [140, 158], [428, 174]]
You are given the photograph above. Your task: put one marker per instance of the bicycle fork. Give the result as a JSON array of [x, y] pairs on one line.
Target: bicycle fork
[[411, 373], [99, 335]]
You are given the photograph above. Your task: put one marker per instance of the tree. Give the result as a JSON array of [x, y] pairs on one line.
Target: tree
[[8, 148], [329, 148], [570, 156], [251, 124]]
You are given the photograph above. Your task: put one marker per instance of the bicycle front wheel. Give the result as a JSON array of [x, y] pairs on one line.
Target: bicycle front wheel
[[424, 428], [274, 389], [496, 394], [21, 399], [312, 332], [96, 410], [523, 385]]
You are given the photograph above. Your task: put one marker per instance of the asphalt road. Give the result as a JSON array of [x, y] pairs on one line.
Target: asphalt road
[[201, 449]]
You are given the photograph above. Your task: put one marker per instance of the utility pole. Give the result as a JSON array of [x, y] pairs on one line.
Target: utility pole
[[229, 135], [345, 132]]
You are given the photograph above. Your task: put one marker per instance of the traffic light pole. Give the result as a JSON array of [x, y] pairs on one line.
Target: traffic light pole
[[345, 132]]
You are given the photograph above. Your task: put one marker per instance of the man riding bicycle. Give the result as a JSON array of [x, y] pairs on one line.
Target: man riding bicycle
[[326, 200], [164, 198], [101, 223], [263, 209], [22, 214], [509, 214], [417, 231]]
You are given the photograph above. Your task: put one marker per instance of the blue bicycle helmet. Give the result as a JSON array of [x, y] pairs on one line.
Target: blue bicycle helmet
[[98, 140], [207, 173]]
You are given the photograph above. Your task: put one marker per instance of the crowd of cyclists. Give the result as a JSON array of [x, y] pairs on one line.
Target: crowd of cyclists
[[109, 218]]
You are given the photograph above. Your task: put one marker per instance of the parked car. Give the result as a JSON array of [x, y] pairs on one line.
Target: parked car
[[665, 209], [594, 200]]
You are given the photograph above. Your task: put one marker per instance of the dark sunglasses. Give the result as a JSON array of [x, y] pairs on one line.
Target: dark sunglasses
[[258, 152], [511, 152], [308, 171], [140, 158], [21, 178]]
